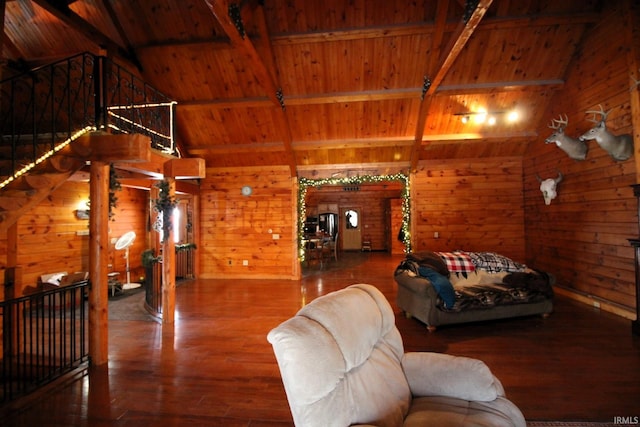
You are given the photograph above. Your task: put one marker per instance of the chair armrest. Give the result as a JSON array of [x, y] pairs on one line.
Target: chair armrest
[[436, 374]]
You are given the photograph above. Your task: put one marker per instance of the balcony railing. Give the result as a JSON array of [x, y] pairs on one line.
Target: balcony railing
[[44, 336], [51, 105]]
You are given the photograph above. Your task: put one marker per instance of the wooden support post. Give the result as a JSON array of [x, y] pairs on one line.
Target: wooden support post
[[168, 268], [98, 264], [195, 227]]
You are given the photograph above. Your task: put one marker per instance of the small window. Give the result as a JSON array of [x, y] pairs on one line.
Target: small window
[[351, 217]]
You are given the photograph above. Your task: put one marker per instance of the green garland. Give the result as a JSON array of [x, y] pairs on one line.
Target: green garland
[[114, 185], [305, 183], [165, 204]]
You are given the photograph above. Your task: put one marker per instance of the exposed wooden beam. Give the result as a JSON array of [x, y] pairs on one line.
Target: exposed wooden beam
[[94, 35], [353, 143], [244, 46], [457, 42], [121, 32], [186, 168], [438, 139], [375, 95], [398, 30], [487, 137], [435, 28]]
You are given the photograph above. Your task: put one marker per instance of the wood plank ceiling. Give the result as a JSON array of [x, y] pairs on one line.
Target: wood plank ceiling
[[326, 87]]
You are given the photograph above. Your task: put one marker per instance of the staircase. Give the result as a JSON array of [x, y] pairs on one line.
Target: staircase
[[23, 192], [44, 111]]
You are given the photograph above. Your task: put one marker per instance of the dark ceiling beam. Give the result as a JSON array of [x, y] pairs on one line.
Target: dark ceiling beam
[[106, 4], [427, 28], [398, 30], [61, 11], [264, 74], [375, 95], [13, 49], [457, 42]]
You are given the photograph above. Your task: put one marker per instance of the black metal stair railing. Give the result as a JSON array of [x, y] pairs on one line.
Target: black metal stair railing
[[44, 336], [54, 104]]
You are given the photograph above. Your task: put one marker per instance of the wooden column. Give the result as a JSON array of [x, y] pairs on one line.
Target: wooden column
[[168, 268], [195, 224], [98, 263]]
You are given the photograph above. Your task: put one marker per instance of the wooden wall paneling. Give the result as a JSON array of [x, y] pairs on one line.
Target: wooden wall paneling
[[395, 212], [581, 237], [258, 229], [51, 238], [129, 215], [371, 203], [473, 204], [631, 13]]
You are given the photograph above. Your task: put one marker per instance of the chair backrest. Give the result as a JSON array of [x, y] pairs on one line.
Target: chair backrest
[[340, 361]]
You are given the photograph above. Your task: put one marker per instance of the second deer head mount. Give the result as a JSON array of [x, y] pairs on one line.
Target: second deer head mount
[[619, 147], [575, 148]]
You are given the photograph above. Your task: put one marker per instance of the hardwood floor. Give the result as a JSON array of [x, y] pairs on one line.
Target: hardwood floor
[[216, 368]]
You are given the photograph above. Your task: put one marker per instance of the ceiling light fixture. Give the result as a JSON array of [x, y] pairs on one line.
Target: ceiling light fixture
[[489, 117]]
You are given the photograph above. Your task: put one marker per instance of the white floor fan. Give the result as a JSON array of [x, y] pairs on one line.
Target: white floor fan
[[124, 242]]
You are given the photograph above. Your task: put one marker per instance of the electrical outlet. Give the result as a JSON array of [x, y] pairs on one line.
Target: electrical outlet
[[245, 262], [230, 262]]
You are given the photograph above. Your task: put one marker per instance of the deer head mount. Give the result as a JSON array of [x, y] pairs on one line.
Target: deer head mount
[[635, 84], [549, 187], [619, 147], [575, 148]]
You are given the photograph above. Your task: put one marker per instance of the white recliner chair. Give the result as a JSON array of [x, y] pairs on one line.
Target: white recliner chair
[[342, 363]]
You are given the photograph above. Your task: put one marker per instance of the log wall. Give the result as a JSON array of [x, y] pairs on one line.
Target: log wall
[[238, 233], [582, 236], [130, 214], [51, 239], [473, 205]]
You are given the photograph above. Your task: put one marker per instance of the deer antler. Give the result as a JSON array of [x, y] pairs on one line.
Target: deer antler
[[559, 123], [601, 113]]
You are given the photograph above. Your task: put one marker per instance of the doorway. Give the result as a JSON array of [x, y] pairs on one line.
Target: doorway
[[351, 229]]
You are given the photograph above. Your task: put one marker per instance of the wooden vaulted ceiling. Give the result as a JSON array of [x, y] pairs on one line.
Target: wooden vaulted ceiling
[[325, 87]]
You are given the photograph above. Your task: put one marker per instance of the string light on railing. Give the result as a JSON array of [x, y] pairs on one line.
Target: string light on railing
[[46, 155]]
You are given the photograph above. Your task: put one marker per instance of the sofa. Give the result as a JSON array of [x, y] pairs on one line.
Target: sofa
[[445, 288], [342, 363]]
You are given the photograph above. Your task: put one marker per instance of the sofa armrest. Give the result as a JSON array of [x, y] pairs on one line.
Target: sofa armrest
[[436, 374]]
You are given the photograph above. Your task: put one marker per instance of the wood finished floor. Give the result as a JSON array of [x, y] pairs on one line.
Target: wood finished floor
[[215, 367]]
